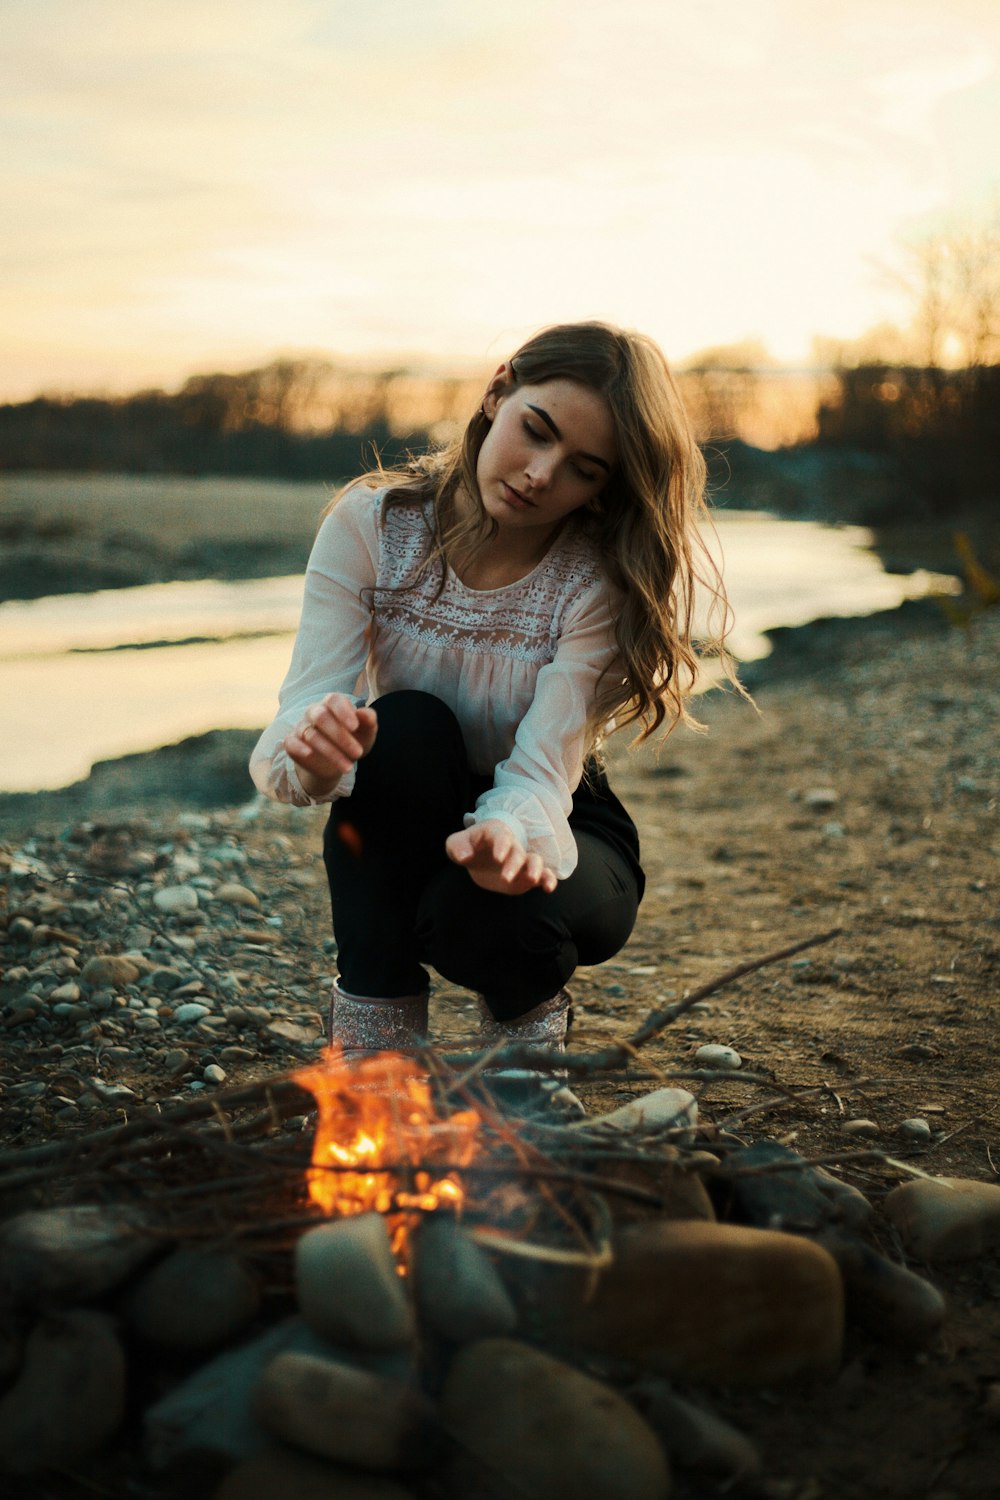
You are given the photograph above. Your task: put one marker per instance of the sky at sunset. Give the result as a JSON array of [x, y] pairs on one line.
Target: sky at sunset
[[202, 184]]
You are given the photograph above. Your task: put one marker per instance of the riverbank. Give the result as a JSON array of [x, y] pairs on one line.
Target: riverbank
[[209, 770], [73, 533], [861, 797]]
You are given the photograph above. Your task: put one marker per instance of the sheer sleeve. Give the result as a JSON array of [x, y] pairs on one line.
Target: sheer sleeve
[[331, 647], [533, 788]]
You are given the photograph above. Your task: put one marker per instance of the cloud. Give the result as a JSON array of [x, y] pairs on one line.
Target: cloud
[[221, 180]]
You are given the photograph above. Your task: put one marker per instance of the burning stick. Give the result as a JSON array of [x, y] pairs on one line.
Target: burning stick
[[377, 1120]]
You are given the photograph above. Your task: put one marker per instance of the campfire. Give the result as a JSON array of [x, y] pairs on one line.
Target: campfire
[[380, 1143]]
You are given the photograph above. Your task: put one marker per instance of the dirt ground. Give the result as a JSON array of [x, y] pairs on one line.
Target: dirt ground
[[861, 797]]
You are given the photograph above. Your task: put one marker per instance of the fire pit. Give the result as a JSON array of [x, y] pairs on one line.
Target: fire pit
[[371, 1274]]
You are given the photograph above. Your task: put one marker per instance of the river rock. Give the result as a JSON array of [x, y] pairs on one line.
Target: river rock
[[43, 935], [290, 1031], [863, 1129], [821, 798], [236, 895], [194, 1299], [694, 1438], [916, 1130], [283, 1474], [354, 1416], [851, 1207], [701, 1301], [786, 1197], [210, 1414], [58, 1255], [189, 989], [349, 1290], [68, 993], [662, 1109], [527, 1424], [714, 1055], [164, 979], [69, 1397], [458, 1291], [192, 1010], [116, 1094], [110, 971], [946, 1218], [887, 1299], [176, 898]]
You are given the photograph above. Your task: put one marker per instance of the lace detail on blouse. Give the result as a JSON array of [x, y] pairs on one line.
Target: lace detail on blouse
[[522, 621]]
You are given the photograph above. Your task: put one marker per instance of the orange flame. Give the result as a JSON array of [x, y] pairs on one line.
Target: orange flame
[[381, 1144]]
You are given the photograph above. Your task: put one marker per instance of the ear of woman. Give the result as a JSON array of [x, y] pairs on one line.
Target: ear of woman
[[502, 384]]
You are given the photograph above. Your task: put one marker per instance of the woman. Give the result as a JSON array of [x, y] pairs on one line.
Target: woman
[[473, 626]]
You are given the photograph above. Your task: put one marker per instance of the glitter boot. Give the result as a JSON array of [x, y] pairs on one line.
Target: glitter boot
[[361, 1024], [544, 1026]]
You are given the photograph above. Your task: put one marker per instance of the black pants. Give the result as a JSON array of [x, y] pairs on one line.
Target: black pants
[[399, 902]]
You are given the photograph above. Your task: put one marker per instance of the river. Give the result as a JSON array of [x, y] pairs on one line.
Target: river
[[86, 677]]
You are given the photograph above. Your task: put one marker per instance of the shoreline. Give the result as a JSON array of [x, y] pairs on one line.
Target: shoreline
[[82, 533], [209, 771]]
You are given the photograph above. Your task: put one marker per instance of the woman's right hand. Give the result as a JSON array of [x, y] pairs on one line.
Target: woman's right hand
[[328, 739]]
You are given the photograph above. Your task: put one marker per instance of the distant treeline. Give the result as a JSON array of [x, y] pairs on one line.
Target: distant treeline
[[160, 434], [941, 428], [936, 428]]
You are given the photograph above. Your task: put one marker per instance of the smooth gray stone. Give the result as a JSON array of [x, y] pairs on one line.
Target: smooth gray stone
[[210, 1415], [58, 1255], [191, 1010], [193, 1299], [459, 1293], [348, 1287], [69, 1397], [176, 898], [787, 1197], [716, 1055], [661, 1109], [852, 1208], [694, 1438], [886, 1298]]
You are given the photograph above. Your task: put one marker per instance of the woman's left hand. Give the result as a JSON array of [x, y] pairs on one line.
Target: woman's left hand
[[496, 861]]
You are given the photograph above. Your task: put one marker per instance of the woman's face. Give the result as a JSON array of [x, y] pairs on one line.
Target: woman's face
[[550, 449]]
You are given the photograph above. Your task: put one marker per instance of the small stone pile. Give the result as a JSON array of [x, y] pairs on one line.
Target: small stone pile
[[142, 964], [490, 1369]]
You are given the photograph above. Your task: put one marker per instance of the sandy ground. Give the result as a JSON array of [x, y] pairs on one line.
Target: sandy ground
[[861, 796]]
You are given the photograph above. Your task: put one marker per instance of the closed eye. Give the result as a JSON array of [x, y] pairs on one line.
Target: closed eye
[[544, 438]]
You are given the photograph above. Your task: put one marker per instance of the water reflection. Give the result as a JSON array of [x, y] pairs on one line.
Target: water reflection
[[76, 690]]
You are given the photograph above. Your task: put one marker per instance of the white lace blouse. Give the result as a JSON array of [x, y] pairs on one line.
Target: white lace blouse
[[518, 665]]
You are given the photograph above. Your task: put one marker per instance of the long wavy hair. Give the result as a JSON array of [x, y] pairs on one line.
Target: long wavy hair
[[646, 523]]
